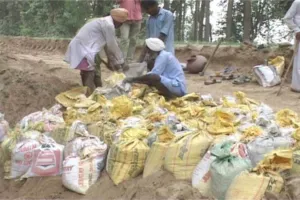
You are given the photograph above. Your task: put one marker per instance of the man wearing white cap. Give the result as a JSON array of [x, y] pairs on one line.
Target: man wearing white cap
[[83, 51], [166, 75]]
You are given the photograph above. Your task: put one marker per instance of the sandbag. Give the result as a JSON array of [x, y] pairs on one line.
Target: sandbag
[[265, 144], [202, 177], [85, 159], [126, 158], [247, 186], [43, 121], [21, 159], [225, 168], [185, 152], [47, 159], [155, 158], [136, 70], [4, 127], [296, 163], [286, 118], [278, 63], [266, 76], [122, 107]]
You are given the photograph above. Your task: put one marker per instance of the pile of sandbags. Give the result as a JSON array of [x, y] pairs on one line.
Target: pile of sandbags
[[214, 144]]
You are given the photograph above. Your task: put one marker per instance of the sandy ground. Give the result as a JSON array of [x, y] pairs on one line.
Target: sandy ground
[[32, 73]]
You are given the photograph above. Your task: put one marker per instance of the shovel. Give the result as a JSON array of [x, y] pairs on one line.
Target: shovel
[[289, 67], [210, 59]]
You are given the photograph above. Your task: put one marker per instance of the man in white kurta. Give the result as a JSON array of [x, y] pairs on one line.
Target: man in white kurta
[[292, 19], [85, 47]]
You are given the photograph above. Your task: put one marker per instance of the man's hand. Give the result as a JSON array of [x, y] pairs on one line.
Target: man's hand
[[125, 67], [298, 36]]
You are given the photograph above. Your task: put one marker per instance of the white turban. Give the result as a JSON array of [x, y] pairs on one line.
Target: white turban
[[155, 44], [119, 14]]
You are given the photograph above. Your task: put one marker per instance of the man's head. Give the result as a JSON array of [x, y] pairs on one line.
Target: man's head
[[154, 47], [150, 7], [119, 15]]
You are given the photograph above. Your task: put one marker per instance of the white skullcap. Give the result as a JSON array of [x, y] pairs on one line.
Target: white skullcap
[[155, 44]]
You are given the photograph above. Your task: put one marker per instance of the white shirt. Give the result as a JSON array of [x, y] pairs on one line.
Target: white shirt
[[292, 17], [90, 40]]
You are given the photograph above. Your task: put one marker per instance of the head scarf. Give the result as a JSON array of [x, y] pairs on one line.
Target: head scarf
[[119, 14], [155, 44]]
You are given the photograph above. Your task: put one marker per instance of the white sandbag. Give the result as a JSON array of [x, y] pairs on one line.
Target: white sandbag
[[85, 159], [47, 159], [265, 144], [136, 69], [80, 174], [118, 90], [266, 76], [4, 127], [44, 121], [21, 160]]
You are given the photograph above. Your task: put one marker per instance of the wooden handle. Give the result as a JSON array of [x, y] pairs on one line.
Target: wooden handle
[[289, 67]]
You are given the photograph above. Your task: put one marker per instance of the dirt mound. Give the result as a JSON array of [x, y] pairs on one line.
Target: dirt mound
[[26, 44], [27, 86], [161, 185]]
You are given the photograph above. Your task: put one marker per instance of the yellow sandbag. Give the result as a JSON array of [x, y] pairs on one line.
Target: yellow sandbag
[[105, 130], [86, 116], [126, 159], [296, 163], [272, 165], [155, 158], [99, 98], [69, 98], [122, 107], [278, 63], [277, 160], [286, 117], [252, 132], [114, 79], [247, 186], [223, 124], [276, 182], [134, 133], [185, 152]]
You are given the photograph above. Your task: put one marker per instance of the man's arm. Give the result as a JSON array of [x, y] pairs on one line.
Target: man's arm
[[168, 24], [115, 54], [289, 18]]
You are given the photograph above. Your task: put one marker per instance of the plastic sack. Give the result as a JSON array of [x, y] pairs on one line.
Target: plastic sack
[[279, 64], [202, 177], [47, 159], [223, 123], [85, 159], [155, 158], [21, 159], [136, 70], [122, 107], [286, 118], [4, 127], [69, 98], [185, 152], [126, 158], [266, 76], [225, 168], [247, 186], [296, 163], [265, 144], [43, 121], [114, 79]]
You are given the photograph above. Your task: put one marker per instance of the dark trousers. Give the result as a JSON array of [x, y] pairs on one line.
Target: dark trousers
[[92, 79]]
